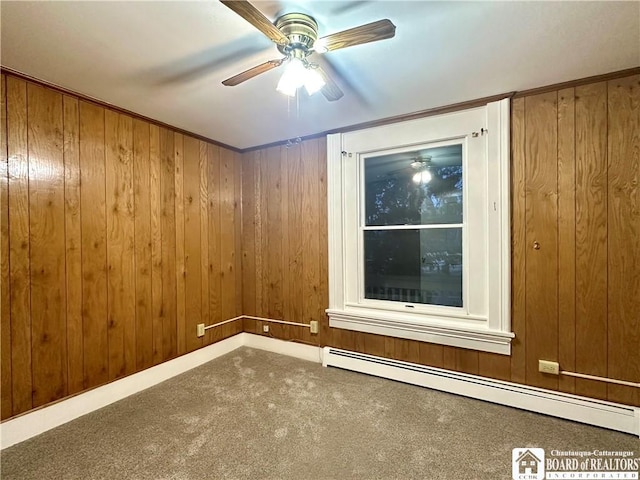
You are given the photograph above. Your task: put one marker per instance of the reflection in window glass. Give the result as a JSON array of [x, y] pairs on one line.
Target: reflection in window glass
[[423, 187], [414, 265]]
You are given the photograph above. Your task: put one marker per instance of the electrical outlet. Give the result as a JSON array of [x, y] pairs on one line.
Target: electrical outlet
[[314, 326], [200, 329], [265, 328], [552, 368]]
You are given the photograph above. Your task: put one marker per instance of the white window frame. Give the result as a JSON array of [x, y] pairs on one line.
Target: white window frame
[[483, 323]]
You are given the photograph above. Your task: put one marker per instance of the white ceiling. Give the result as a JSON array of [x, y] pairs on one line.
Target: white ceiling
[[165, 60]]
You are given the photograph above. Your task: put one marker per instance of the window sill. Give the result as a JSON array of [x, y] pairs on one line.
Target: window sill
[[396, 325]]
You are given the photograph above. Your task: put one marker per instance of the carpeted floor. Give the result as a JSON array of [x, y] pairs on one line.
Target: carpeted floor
[[258, 415]]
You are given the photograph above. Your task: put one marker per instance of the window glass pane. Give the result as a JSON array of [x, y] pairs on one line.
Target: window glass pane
[[416, 265], [423, 187]]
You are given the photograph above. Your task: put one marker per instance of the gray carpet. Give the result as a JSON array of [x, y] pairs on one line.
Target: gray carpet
[[257, 415]]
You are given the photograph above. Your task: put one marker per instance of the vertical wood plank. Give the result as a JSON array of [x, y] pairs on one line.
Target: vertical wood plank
[[248, 235], [193, 283], [19, 261], [285, 236], [155, 199], [143, 242], [310, 227], [46, 232], [265, 206], [623, 328], [408, 350], [181, 325], [120, 244], [449, 358], [591, 236], [518, 240], [73, 247], [390, 347], [273, 237], [541, 212], [236, 231], [6, 406], [401, 348], [215, 229], [227, 233], [94, 244], [467, 361], [237, 212], [204, 233], [168, 226], [359, 342], [494, 366], [374, 344], [432, 354], [290, 168], [343, 339], [259, 251], [566, 238], [323, 253]]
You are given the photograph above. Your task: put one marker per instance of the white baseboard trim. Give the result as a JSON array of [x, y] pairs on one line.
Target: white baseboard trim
[[38, 421], [30, 424], [609, 415], [291, 349]]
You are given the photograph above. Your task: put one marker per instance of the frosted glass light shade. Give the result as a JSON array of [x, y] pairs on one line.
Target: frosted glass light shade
[[292, 78], [313, 81]]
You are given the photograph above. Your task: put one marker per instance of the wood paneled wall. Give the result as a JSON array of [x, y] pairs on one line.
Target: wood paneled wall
[[118, 237], [575, 190], [284, 237], [576, 161]]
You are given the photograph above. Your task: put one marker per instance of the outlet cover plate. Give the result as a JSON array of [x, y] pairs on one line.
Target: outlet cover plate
[[552, 368]]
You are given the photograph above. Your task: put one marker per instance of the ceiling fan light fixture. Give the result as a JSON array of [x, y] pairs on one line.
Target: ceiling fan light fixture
[[422, 177], [296, 36], [298, 73]]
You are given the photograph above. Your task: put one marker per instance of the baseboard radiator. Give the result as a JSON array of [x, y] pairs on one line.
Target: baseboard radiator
[[609, 415]]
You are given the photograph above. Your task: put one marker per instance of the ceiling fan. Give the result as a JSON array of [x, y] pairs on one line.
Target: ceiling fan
[[296, 36]]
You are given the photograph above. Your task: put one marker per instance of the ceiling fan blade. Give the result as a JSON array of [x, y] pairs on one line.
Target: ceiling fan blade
[[252, 15], [252, 72], [348, 83], [371, 32], [331, 91]]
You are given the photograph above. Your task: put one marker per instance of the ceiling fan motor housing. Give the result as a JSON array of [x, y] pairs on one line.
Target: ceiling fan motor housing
[[302, 32]]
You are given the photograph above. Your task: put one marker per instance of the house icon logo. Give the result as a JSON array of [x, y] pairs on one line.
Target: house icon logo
[[528, 463]]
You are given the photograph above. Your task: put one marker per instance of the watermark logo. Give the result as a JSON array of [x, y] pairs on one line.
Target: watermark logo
[[528, 463], [533, 464]]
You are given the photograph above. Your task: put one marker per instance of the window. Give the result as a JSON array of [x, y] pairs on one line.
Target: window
[[413, 226], [419, 229]]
